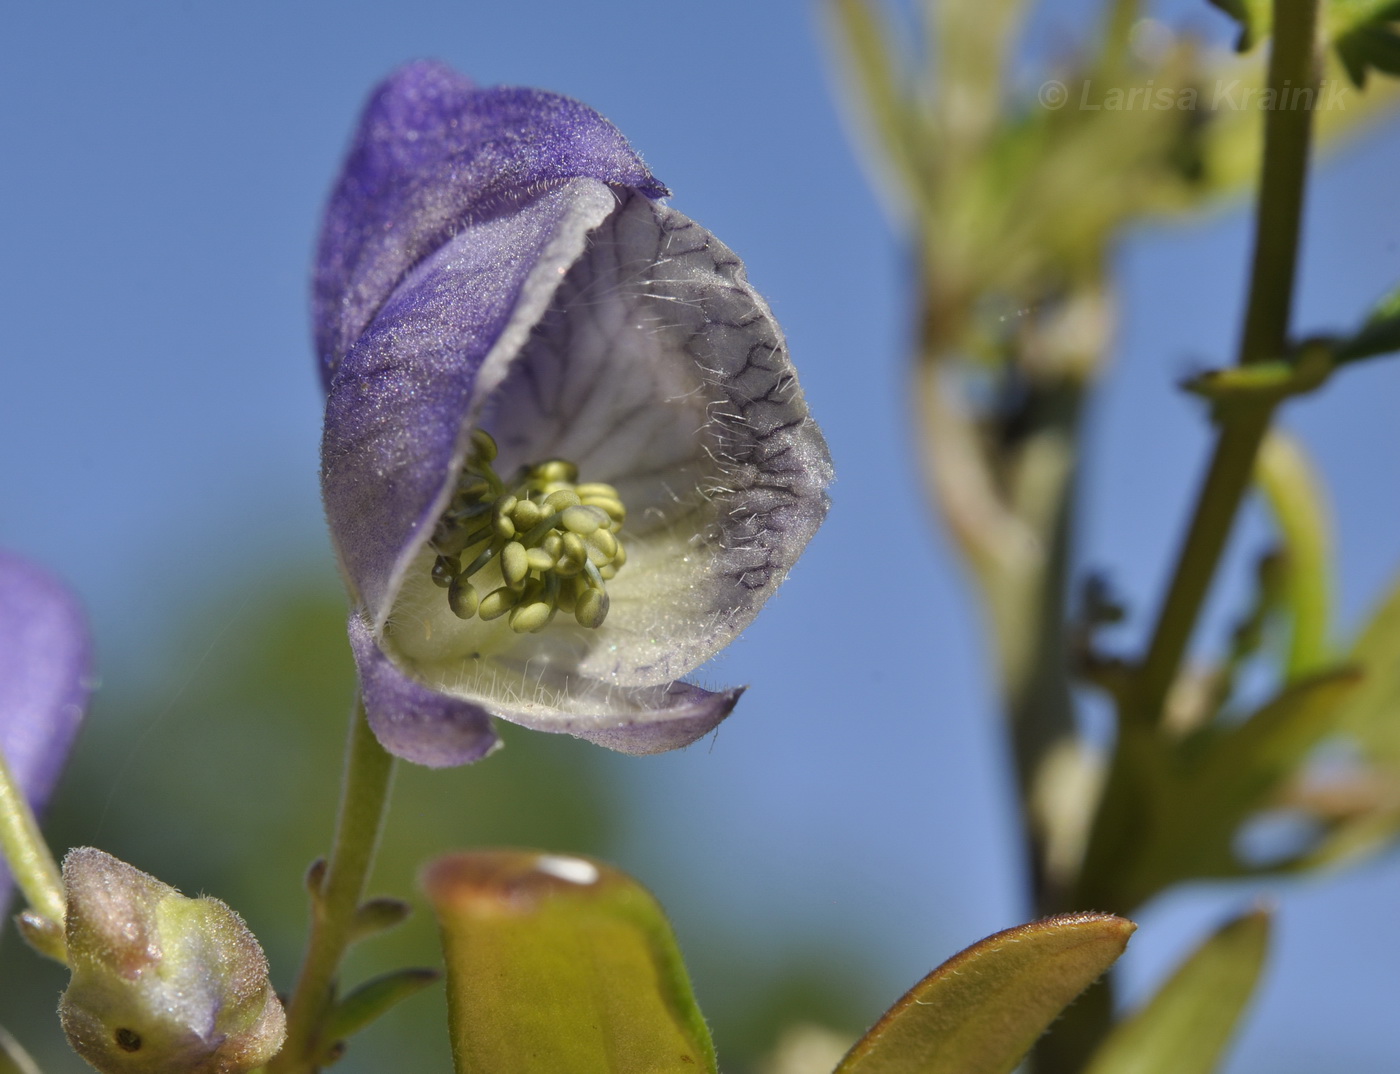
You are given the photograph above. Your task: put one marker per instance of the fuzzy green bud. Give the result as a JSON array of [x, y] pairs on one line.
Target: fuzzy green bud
[[162, 984]]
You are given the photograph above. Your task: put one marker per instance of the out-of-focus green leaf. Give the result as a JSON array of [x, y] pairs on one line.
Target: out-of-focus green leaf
[[1372, 713], [378, 915], [1364, 33], [1300, 508], [561, 964], [1361, 806], [1178, 806], [373, 998], [865, 43], [1241, 768], [980, 1012], [1256, 18], [1380, 334], [1186, 1026], [13, 1058]]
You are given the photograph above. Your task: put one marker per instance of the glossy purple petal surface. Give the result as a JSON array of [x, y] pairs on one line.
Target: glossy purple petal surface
[[45, 678]]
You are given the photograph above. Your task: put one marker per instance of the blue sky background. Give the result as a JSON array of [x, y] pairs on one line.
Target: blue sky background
[[163, 171]]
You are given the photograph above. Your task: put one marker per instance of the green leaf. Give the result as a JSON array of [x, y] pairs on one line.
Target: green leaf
[[374, 998], [1299, 505], [1255, 17], [378, 915], [13, 1058], [1364, 35], [1177, 807], [1363, 806], [561, 963], [1186, 1026], [1243, 767], [981, 1011], [1371, 711], [1380, 334]]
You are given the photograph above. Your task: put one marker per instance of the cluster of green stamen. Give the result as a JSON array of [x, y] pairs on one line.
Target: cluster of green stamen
[[553, 540]]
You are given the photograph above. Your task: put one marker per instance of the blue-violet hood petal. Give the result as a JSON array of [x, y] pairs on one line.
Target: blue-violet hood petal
[[496, 261]]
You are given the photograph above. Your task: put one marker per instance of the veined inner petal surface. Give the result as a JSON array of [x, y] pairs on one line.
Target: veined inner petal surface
[[656, 369]]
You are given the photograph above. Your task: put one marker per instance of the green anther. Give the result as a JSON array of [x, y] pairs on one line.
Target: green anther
[[540, 560], [557, 501], [483, 446], [496, 603], [595, 488], [582, 520], [554, 540], [474, 490], [515, 563], [445, 568], [575, 556], [559, 471], [605, 543], [528, 618], [527, 514], [610, 505], [462, 598], [591, 608]]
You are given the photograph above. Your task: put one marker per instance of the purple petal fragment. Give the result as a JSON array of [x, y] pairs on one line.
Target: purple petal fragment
[[643, 721], [45, 678], [411, 720]]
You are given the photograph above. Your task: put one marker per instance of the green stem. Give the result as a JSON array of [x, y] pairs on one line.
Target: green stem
[[1283, 178], [1116, 845], [23, 848], [363, 801]]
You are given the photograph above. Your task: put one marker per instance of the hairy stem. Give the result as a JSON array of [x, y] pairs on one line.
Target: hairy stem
[[363, 802]]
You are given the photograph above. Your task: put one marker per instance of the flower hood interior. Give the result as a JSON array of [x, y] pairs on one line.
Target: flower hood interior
[[655, 368]]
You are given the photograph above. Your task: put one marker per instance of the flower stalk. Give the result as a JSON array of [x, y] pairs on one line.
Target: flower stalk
[[23, 848], [336, 892]]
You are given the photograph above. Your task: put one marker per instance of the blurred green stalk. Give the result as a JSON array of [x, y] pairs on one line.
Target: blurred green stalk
[[23, 848], [336, 892]]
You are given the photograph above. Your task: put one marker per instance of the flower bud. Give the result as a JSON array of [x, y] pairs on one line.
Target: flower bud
[[162, 984]]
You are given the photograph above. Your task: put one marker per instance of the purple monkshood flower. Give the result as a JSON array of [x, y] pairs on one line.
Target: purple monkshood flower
[[566, 458], [45, 675]]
